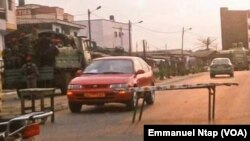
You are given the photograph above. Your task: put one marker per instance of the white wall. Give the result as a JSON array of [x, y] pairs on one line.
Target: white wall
[[72, 31], [2, 25], [11, 17], [103, 32], [54, 27], [109, 30]]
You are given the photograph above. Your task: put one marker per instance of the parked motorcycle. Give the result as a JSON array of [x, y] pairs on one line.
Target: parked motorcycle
[[24, 127]]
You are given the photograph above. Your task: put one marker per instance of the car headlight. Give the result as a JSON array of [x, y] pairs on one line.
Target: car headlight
[[119, 87], [74, 86]]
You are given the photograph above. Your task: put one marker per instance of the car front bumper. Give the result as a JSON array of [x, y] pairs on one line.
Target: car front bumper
[[84, 97]]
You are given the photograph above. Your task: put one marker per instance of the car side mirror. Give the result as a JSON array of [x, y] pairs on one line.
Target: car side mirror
[[139, 72], [78, 73]]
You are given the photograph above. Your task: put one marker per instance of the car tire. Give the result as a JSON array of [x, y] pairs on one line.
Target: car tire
[[75, 107], [132, 103], [150, 97]]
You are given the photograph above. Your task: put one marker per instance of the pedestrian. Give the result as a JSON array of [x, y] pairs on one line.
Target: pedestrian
[[31, 73], [162, 69]]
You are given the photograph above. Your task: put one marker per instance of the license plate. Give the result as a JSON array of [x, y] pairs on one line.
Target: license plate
[[94, 95]]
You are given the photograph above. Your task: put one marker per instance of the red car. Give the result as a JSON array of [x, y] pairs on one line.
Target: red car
[[107, 80]]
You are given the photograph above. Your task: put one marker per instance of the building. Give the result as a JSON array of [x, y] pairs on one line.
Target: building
[[46, 18], [235, 27], [7, 24], [107, 33]]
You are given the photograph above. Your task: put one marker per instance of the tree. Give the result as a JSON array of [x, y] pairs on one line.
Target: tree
[[207, 43]]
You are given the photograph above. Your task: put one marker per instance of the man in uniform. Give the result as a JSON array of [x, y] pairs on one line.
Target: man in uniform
[[31, 73]]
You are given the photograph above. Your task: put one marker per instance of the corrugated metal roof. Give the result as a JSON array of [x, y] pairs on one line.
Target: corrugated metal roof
[[203, 53], [37, 21]]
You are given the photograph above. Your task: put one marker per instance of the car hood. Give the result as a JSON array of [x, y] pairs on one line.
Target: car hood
[[102, 79]]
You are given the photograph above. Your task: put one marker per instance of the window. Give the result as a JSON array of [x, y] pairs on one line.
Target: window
[[115, 33], [110, 66], [10, 5], [137, 65], [145, 66], [2, 4], [57, 30], [120, 34]]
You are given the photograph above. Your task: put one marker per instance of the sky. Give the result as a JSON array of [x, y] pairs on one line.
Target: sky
[[163, 20]]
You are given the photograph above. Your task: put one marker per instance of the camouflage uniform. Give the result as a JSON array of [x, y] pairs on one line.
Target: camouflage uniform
[[31, 77]]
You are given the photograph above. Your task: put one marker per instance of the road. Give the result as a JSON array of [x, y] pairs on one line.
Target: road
[[113, 123]]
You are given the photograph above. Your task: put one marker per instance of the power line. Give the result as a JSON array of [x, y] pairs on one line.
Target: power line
[[199, 35], [156, 31]]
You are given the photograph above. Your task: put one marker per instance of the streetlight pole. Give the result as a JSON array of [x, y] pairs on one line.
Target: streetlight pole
[[130, 37], [89, 25], [182, 41]]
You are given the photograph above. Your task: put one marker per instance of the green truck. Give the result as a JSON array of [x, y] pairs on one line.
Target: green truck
[[73, 55], [238, 56]]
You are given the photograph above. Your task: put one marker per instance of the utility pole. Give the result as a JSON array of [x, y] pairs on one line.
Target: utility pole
[[182, 43], [89, 24], [136, 49], [182, 40], [130, 38], [144, 49]]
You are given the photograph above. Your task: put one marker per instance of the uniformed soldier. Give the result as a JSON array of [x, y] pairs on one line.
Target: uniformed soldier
[[31, 73]]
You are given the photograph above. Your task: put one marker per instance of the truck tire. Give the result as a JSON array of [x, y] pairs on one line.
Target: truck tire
[[63, 80], [75, 107]]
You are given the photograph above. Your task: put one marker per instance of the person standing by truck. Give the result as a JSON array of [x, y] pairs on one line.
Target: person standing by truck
[[30, 70]]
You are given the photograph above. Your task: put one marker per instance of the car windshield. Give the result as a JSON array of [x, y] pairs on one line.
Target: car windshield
[[221, 61], [110, 66]]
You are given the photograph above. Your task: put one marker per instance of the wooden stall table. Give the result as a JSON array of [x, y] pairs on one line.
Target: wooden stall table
[[37, 94]]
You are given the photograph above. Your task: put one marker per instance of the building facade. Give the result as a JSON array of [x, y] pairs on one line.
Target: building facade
[[107, 33], [235, 27], [7, 24], [46, 18]]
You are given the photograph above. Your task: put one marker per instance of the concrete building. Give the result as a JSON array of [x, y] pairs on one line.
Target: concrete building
[[235, 27], [46, 18], [107, 33], [7, 24]]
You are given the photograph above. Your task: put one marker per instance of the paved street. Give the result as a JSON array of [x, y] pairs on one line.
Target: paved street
[[113, 122]]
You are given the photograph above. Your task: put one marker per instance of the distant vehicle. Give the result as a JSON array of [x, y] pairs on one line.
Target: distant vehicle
[[238, 56], [221, 66], [108, 79]]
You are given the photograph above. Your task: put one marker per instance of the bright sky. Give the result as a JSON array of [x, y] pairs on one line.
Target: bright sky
[[162, 19]]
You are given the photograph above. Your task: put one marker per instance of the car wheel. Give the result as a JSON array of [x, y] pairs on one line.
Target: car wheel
[[150, 97], [75, 107], [132, 103]]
